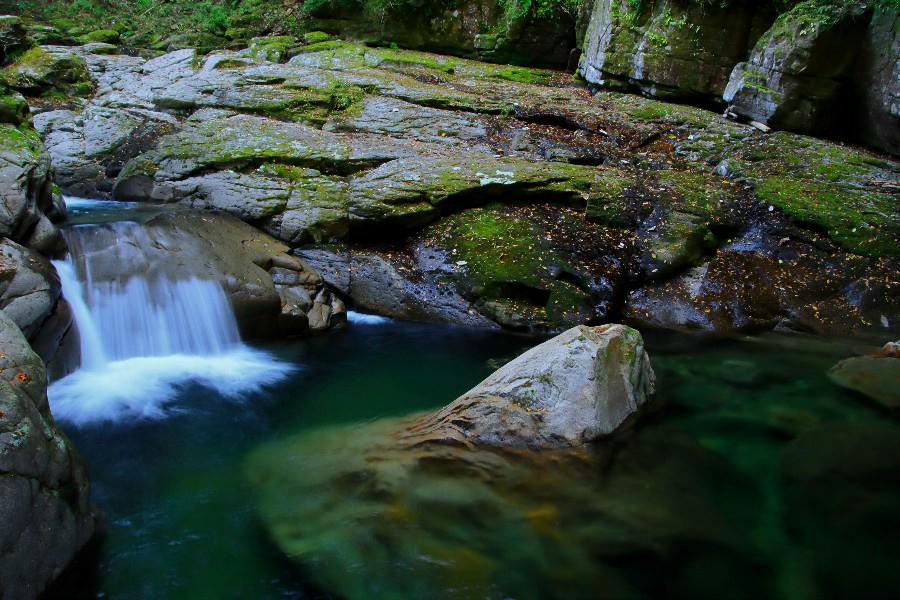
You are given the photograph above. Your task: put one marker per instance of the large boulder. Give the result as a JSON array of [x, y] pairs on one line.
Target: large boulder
[[45, 517], [793, 77], [667, 48], [50, 69], [876, 376], [584, 384]]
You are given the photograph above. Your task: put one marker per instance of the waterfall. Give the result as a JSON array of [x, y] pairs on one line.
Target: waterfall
[[140, 316], [146, 329]]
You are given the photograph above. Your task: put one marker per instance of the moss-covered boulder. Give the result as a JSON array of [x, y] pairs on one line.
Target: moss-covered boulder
[[49, 70], [14, 37], [104, 36]]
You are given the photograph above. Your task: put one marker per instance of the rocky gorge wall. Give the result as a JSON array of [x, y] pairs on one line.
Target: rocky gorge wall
[[823, 67]]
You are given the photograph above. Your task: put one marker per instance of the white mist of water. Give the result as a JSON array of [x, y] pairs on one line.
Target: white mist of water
[[143, 338]]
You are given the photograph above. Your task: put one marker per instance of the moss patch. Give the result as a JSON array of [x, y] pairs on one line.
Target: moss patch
[[865, 223]]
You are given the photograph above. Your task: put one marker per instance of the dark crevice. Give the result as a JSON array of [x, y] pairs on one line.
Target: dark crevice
[[552, 120]]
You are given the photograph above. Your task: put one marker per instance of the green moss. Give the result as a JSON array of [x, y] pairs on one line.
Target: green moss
[[316, 37], [865, 223], [525, 75], [106, 36], [22, 141], [505, 260], [694, 193], [272, 48]]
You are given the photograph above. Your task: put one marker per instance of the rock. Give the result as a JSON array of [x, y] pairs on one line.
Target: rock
[[104, 36], [89, 147], [877, 82], [45, 516], [793, 77], [13, 37], [582, 385], [45, 69], [413, 517], [320, 313], [29, 287], [877, 377], [667, 49], [25, 186], [396, 118], [374, 285]]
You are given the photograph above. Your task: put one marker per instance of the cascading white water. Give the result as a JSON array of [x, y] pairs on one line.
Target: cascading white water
[[145, 332], [140, 316]]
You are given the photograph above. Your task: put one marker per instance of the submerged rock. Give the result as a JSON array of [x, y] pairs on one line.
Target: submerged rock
[[582, 385], [45, 517]]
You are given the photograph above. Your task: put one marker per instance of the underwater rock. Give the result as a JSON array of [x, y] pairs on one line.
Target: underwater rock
[[843, 493], [45, 517], [584, 384]]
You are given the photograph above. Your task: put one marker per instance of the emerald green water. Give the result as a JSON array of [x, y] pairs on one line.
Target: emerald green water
[[759, 478]]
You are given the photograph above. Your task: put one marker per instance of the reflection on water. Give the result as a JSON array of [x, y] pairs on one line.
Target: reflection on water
[[759, 479]]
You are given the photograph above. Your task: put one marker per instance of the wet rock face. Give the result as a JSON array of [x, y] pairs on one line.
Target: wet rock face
[[44, 491], [582, 385], [29, 287]]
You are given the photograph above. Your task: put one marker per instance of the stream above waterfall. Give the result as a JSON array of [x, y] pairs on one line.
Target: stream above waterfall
[[747, 483]]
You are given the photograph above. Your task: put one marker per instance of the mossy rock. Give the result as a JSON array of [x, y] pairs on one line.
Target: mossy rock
[[14, 37], [315, 37], [23, 142], [507, 267], [276, 48], [105, 36], [13, 107], [829, 187], [41, 71]]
